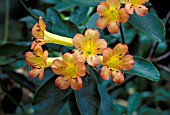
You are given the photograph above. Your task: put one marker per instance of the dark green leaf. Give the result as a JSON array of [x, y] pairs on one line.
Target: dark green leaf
[[86, 2], [134, 102], [148, 111], [73, 104], [38, 13], [5, 60], [144, 68], [65, 5], [79, 15], [50, 1], [49, 94], [92, 23], [151, 25], [87, 97], [13, 48], [106, 105], [66, 28], [21, 79], [52, 16]]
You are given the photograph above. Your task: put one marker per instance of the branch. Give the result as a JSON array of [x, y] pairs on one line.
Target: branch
[[29, 12], [161, 57]]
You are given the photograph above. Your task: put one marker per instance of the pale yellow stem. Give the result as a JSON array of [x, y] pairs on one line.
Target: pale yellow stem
[[49, 61], [56, 39]]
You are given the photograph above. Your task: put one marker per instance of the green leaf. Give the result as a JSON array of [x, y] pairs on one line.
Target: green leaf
[[151, 25], [4, 60], [134, 102], [13, 48], [88, 98], [73, 104], [92, 23], [20, 79], [144, 68], [49, 95], [86, 2], [106, 105], [79, 15], [50, 92], [147, 111], [65, 5], [52, 16], [66, 28]]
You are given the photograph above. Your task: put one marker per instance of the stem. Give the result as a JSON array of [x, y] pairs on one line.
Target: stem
[[6, 27], [153, 50], [121, 32], [163, 67], [162, 57], [29, 12]]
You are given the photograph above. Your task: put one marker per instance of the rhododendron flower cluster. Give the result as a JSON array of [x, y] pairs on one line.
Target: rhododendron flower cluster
[[89, 48], [112, 14]]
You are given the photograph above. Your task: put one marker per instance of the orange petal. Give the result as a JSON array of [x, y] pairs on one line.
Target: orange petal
[[113, 27], [127, 62], [102, 22], [120, 49], [102, 8], [114, 3], [37, 32], [79, 41], [123, 15], [107, 54], [81, 57], [100, 45], [93, 60], [117, 77], [41, 75], [34, 72], [91, 36], [69, 59], [141, 10], [76, 84], [58, 67], [129, 8], [38, 51], [62, 83], [41, 23], [31, 59], [80, 69], [45, 54], [105, 73]]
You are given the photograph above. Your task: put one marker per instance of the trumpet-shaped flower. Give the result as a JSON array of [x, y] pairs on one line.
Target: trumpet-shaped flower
[[42, 36], [136, 5], [114, 61], [38, 61], [71, 71], [88, 46], [111, 15]]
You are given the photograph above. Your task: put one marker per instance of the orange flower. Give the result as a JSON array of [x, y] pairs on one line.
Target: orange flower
[[136, 5], [38, 61], [114, 61], [88, 46], [111, 15], [70, 70], [42, 36]]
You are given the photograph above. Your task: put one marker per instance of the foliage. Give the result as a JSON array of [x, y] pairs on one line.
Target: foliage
[[145, 89]]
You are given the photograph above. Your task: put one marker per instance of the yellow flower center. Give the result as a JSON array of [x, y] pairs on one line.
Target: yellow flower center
[[70, 72], [114, 62], [134, 2], [112, 14]]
